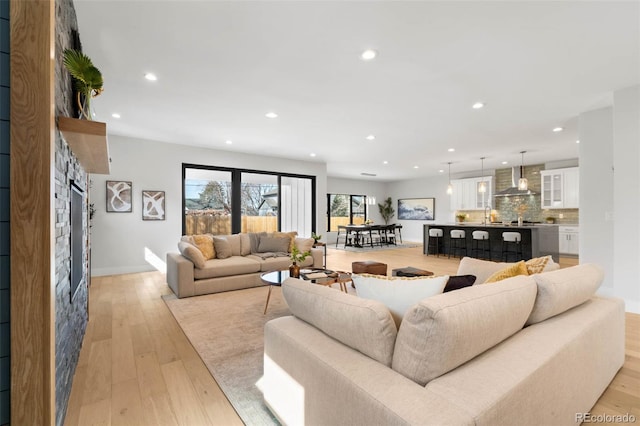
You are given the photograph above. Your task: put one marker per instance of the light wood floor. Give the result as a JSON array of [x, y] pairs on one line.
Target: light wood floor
[[137, 367]]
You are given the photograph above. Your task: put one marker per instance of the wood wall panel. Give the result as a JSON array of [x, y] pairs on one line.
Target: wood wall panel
[[32, 214]]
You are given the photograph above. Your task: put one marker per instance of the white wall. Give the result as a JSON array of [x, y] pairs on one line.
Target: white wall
[[610, 194], [626, 193], [596, 191], [433, 187], [119, 240]]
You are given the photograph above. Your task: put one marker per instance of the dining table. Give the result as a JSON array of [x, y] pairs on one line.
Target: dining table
[[356, 235]]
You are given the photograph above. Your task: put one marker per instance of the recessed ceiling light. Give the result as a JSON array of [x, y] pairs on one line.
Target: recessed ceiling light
[[271, 115], [578, 141], [313, 154], [151, 77], [557, 129], [505, 162], [228, 142], [115, 115], [415, 167], [440, 171], [370, 137], [368, 55], [451, 149], [477, 105], [385, 162]]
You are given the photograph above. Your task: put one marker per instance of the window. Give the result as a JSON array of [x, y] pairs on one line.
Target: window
[[345, 209], [222, 201]]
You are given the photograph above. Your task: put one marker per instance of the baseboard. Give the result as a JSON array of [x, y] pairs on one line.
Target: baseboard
[[119, 270]]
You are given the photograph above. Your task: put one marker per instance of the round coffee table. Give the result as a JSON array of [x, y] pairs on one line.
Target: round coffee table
[[276, 278]]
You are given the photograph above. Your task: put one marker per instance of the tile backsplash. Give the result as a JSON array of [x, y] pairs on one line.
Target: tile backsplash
[[505, 209]]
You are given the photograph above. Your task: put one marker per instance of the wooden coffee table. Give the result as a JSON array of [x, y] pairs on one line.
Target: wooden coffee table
[[276, 278]]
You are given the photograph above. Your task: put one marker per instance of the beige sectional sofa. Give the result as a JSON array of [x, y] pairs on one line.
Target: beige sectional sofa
[[240, 268], [527, 350]]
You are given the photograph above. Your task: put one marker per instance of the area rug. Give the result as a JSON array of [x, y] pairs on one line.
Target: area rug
[[366, 248], [227, 331]]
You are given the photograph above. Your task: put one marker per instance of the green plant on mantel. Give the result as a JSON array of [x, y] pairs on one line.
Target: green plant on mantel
[[87, 78], [386, 210]]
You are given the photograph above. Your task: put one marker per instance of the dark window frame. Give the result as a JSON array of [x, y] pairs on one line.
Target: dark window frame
[[236, 194], [328, 213]]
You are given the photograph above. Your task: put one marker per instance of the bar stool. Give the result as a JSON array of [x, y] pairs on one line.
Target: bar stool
[[435, 236], [480, 244], [457, 242], [511, 245]]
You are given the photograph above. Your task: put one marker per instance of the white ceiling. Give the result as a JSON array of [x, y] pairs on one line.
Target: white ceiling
[[222, 65]]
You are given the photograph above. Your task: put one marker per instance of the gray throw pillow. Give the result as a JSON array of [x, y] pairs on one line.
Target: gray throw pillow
[[273, 244], [192, 253], [223, 247]]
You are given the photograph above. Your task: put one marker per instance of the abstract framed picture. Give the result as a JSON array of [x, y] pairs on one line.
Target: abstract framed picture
[[417, 209], [152, 205], [119, 196]]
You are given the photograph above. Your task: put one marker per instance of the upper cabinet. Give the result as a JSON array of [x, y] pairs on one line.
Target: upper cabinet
[[560, 188], [466, 195]]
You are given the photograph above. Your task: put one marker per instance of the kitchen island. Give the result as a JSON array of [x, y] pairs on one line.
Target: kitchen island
[[537, 239]]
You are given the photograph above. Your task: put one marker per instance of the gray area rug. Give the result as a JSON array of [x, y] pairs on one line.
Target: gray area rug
[[227, 331], [365, 248]]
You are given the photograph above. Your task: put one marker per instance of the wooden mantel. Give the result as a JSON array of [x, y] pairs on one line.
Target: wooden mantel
[[88, 141]]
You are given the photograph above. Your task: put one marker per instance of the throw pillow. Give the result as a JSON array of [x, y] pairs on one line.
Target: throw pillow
[[234, 241], [205, 243], [192, 253], [304, 244], [223, 247], [245, 244], [398, 293], [537, 264], [273, 244], [254, 238], [291, 235], [561, 290], [456, 282], [510, 271]]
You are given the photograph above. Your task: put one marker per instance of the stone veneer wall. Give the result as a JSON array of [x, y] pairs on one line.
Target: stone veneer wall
[[71, 314], [507, 207]]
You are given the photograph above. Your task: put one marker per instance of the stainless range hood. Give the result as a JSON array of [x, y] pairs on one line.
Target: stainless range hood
[[512, 191]]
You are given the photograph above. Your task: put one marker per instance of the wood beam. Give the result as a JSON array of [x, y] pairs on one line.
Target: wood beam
[[32, 212]]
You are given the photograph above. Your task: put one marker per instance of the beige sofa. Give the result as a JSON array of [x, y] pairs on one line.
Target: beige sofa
[[528, 350], [242, 269]]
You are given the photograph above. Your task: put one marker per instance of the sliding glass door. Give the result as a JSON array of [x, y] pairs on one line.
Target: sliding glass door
[[223, 201], [207, 202]]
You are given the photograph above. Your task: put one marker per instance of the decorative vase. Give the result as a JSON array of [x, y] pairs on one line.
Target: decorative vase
[[294, 270]]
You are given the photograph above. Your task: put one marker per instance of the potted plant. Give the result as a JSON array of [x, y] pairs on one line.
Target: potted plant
[[550, 219], [460, 217], [87, 78], [386, 210], [297, 257], [315, 237]]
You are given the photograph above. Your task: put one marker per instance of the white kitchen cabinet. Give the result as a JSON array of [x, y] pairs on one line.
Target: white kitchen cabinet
[[569, 240], [560, 188], [465, 195]]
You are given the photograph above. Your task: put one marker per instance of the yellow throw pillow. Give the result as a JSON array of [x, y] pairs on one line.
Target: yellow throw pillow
[[291, 235], [537, 264], [519, 268], [204, 242]]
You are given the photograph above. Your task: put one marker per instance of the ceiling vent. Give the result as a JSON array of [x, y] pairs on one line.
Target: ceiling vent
[[368, 174]]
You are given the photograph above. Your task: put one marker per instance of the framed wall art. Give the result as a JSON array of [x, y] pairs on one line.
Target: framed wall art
[[152, 205], [417, 209], [119, 196]]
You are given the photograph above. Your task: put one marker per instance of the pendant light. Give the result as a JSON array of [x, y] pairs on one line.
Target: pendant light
[[523, 183], [483, 186], [449, 187]]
